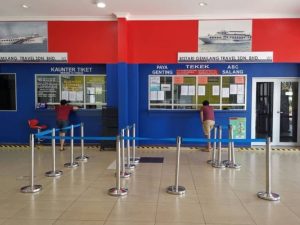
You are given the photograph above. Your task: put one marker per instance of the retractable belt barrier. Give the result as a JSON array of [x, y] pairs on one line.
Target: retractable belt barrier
[[120, 165]]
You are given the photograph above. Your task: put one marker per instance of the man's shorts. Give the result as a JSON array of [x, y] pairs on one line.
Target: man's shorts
[[208, 126], [62, 124]]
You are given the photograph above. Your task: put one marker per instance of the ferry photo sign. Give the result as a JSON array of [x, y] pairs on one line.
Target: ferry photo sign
[[225, 57]]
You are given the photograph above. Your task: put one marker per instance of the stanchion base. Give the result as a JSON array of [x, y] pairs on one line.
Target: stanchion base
[[135, 160], [130, 166], [268, 196], [116, 192], [125, 175], [233, 165], [55, 173], [225, 162], [83, 158], [210, 161], [31, 189], [218, 165], [172, 190], [71, 165]]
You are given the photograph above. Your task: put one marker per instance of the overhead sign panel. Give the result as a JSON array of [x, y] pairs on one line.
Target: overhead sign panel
[[33, 57], [225, 57]]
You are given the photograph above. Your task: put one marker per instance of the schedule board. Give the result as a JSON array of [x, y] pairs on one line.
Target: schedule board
[[187, 92]]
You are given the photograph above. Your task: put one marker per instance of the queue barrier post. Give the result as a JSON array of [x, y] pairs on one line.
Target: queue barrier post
[[128, 165], [134, 160], [53, 172], [231, 153], [82, 157], [176, 189], [213, 153], [123, 172], [32, 188], [72, 164], [118, 190], [268, 195], [218, 163]]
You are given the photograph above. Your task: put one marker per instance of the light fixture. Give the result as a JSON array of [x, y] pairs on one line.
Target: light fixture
[[202, 4], [101, 4], [25, 6]]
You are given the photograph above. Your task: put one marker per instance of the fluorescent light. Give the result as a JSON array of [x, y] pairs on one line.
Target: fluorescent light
[[25, 6], [101, 5], [202, 4]]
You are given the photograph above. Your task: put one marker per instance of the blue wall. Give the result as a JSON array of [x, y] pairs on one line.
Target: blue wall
[[160, 124], [127, 89], [14, 127]]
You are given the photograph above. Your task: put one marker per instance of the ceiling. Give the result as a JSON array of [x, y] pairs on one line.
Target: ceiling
[[47, 10]]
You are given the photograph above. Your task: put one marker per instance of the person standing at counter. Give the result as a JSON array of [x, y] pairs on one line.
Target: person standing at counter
[[208, 121], [62, 119]]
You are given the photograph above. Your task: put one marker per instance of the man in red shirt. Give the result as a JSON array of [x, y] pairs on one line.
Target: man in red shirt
[[208, 120], [62, 119]]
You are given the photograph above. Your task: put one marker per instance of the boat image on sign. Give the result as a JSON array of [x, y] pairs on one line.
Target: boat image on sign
[[31, 39], [226, 37]]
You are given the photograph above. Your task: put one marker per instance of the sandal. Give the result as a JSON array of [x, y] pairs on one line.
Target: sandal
[[62, 149]]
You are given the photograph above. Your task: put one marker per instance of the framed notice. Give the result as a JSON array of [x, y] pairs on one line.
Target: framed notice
[[239, 127], [47, 89], [86, 91]]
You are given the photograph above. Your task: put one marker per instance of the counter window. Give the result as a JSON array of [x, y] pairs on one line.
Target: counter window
[[86, 91]]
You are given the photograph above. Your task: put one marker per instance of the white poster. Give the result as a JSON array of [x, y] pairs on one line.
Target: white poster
[[92, 99], [240, 99], [155, 80], [184, 90], [153, 95], [215, 90], [72, 96], [233, 89], [65, 95], [90, 91], [240, 89], [225, 92], [192, 90], [201, 90], [165, 87], [79, 96], [160, 95], [98, 90]]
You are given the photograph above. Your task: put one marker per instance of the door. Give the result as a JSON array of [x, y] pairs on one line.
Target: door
[[275, 110]]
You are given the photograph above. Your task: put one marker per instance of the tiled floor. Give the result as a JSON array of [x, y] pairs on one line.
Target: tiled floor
[[213, 196]]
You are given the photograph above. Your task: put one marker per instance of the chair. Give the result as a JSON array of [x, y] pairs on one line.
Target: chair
[[34, 125]]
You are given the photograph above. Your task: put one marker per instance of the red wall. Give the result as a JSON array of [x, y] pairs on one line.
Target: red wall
[[159, 41], [282, 36], [85, 41]]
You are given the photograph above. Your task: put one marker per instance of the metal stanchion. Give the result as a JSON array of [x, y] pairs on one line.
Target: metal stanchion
[[72, 164], [134, 160], [128, 165], [268, 195], [213, 153], [175, 189], [54, 172], [231, 154], [218, 163], [82, 157], [123, 173], [32, 188], [118, 191]]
